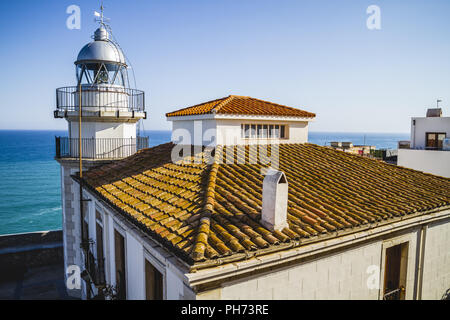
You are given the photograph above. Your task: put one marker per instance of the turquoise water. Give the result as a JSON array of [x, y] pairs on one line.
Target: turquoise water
[[30, 191]]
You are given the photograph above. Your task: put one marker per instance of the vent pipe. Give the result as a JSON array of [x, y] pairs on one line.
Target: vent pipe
[[275, 200]]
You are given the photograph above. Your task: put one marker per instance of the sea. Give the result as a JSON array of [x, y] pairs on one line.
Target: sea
[[30, 190]]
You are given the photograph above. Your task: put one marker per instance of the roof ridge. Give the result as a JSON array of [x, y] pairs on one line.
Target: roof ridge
[[222, 103], [201, 241]]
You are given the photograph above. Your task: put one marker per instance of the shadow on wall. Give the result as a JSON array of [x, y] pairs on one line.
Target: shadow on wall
[[446, 295]]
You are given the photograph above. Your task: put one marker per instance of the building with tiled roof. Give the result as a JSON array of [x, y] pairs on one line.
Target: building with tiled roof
[[264, 220], [237, 120]]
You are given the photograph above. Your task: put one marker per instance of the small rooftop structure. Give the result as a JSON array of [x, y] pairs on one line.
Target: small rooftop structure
[[239, 120]]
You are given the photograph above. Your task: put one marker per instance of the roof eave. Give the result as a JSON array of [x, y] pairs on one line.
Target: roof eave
[[224, 116]]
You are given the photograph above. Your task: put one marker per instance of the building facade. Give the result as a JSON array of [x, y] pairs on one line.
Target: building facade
[[428, 149], [220, 230]]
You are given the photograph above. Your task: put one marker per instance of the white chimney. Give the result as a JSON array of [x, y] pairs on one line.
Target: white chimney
[[275, 200]]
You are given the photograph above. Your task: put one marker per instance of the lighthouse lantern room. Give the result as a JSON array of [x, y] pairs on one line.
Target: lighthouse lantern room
[[109, 109]]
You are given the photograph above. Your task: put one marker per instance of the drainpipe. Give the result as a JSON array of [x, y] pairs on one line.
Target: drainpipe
[[80, 155], [423, 236]]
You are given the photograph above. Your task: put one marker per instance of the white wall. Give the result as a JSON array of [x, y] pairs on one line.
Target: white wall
[[436, 271], [103, 129], [228, 131], [339, 276], [424, 125], [429, 161], [135, 269]]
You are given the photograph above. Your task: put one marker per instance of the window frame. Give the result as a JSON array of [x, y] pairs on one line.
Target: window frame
[[264, 131], [436, 140]]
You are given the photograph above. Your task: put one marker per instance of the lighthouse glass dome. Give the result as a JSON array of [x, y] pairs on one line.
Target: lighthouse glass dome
[[102, 62]]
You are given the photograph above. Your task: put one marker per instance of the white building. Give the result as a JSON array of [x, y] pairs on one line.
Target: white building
[[271, 217], [353, 228], [239, 120], [429, 149]]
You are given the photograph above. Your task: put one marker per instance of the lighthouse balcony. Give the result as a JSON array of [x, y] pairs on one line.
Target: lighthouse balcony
[[98, 148], [100, 101]]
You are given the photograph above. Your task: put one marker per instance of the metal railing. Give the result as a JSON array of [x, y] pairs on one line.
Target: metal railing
[[393, 294], [99, 148], [100, 98]]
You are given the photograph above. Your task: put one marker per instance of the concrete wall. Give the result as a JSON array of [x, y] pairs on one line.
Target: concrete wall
[[424, 125], [228, 131], [430, 161], [353, 273], [338, 276], [436, 277]]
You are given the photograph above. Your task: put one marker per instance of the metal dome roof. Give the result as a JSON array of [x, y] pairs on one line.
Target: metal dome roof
[[101, 49]]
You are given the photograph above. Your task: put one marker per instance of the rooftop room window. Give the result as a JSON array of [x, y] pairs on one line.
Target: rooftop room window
[[263, 131], [434, 140]]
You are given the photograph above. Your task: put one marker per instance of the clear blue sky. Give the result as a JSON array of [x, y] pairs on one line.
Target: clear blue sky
[[317, 55]]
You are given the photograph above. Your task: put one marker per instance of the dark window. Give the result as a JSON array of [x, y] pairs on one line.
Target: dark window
[[99, 236], [282, 132], [153, 282], [395, 272], [435, 140], [119, 249]]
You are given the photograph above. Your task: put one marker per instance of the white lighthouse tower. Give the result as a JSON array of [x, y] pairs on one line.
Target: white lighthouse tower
[[102, 112]]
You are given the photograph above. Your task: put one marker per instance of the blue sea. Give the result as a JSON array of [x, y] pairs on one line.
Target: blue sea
[[30, 191]]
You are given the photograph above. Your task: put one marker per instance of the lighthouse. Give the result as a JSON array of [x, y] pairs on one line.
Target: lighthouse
[[102, 111]]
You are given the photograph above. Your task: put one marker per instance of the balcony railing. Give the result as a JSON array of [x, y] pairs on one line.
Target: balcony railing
[[100, 98], [99, 148]]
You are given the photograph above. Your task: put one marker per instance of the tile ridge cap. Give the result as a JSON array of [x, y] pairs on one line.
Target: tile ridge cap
[[217, 108], [201, 240]]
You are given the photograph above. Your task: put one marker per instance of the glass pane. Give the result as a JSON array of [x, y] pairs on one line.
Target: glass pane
[[440, 141], [277, 131], [259, 131], [253, 131], [247, 131], [264, 131], [431, 140], [282, 132], [271, 131]]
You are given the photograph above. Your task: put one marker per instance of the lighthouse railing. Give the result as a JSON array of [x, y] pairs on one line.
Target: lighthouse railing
[[99, 148], [101, 98]]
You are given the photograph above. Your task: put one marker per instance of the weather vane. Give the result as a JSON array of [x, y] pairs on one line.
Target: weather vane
[[100, 15]]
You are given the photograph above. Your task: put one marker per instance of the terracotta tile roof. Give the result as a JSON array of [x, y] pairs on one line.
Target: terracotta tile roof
[[243, 106], [203, 212]]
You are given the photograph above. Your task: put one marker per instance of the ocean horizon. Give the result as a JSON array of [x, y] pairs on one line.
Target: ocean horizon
[[30, 190]]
